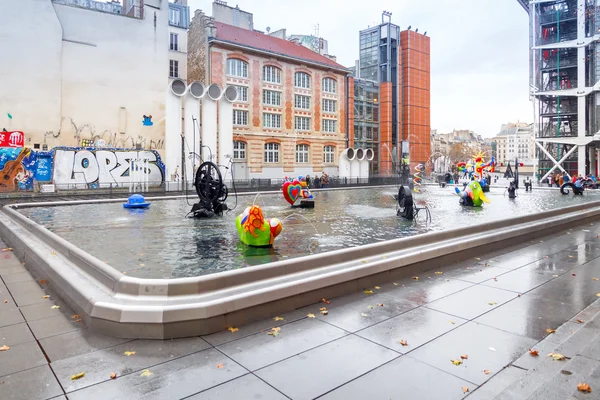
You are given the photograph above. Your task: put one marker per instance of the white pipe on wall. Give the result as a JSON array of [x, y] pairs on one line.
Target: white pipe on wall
[[355, 164], [368, 157], [209, 122], [345, 158], [195, 91], [176, 90], [225, 153]]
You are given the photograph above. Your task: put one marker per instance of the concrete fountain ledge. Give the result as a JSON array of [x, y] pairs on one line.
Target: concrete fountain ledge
[[124, 306]]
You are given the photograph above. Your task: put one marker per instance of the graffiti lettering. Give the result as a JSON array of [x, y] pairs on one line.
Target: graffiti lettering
[[12, 139], [103, 168]]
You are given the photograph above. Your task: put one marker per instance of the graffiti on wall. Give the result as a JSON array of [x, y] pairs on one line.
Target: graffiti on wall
[[12, 139], [147, 121], [77, 167]]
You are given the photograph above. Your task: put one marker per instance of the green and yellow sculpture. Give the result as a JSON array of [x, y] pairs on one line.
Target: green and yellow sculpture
[[254, 230]]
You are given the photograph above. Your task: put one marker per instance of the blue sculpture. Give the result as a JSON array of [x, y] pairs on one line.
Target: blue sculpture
[[136, 201]]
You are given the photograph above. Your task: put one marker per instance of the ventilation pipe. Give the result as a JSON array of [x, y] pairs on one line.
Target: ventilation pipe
[[230, 95], [175, 91], [195, 92], [369, 155], [345, 159], [209, 122], [355, 164]]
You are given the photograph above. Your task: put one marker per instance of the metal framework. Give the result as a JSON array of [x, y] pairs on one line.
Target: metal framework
[[564, 67]]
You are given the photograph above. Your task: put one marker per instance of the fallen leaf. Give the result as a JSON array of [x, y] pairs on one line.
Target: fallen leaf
[[573, 275], [324, 312], [146, 372], [377, 287], [55, 307], [124, 273], [129, 353], [549, 330], [595, 279], [452, 322], [403, 342], [519, 295], [278, 319], [309, 315], [77, 376], [584, 387], [555, 276], [219, 366], [571, 257], [364, 261], [395, 284], [534, 353], [438, 272], [456, 362], [364, 315], [557, 356], [492, 303], [7, 249], [487, 371], [43, 281], [5, 301], [113, 376], [323, 309], [370, 307], [76, 316], [465, 389], [78, 320], [142, 265], [45, 297], [464, 357], [416, 278], [4, 348], [368, 291], [325, 301], [380, 305], [478, 259], [597, 294], [53, 254], [580, 321], [274, 331], [232, 329]]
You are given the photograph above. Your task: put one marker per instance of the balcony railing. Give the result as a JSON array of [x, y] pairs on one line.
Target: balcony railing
[[557, 16], [551, 130], [112, 8], [567, 32], [568, 105]]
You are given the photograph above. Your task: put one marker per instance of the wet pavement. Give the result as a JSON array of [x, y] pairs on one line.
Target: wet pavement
[[393, 341]]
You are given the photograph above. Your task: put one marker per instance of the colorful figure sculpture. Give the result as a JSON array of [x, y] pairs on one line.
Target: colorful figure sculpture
[[472, 195], [254, 230], [297, 194], [417, 177]]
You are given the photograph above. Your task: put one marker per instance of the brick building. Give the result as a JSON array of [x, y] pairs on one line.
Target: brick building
[[290, 118]]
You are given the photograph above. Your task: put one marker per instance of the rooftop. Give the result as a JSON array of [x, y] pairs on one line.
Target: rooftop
[[259, 41]]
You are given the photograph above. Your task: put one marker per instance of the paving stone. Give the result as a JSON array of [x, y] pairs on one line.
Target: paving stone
[[475, 341], [403, 378], [29, 295], [529, 316], [325, 367], [579, 289], [34, 384], [593, 380], [497, 383], [247, 387], [563, 384], [529, 383], [564, 332], [43, 328], [472, 302], [578, 342], [77, 342], [259, 350], [44, 309], [21, 357], [519, 281], [417, 327], [15, 334], [174, 379], [589, 312], [10, 317], [98, 365], [428, 288], [475, 274], [18, 277]]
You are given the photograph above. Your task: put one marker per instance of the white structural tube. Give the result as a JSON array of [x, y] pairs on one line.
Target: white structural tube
[[355, 164], [225, 153], [176, 90], [345, 159], [209, 122], [195, 92], [369, 155]]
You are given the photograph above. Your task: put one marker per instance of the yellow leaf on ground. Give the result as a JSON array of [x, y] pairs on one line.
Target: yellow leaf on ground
[[416, 278], [323, 309], [4, 348], [380, 305], [534, 353], [45, 297], [478, 259], [487, 371], [274, 331], [403, 342], [465, 389], [324, 312], [142, 265], [146, 372], [452, 322], [55, 307], [278, 319], [456, 362], [492, 303], [368, 292], [7, 249], [364, 261], [364, 315], [395, 284], [370, 307], [595, 279], [597, 294], [580, 321], [77, 376], [129, 353], [584, 387], [53, 253], [232, 329], [557, 356], [325, 301], [5, 301], [310, 315], [219, 366], [113, 376], [76, 316], [549, 330], [438, 272], [377, 287], [464, 357]]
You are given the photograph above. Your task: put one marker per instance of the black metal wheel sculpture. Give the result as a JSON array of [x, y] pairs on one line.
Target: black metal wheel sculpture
[[406, 207], [211, 190]]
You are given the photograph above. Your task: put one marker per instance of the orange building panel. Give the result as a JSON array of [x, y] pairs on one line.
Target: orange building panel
[[385, 128]]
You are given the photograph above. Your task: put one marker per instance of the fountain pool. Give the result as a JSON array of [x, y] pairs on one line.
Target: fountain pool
[[162, 243]]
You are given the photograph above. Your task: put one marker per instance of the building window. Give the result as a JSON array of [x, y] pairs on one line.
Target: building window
[[239, 150], [271, 153], [302, 123], [329, 85], [329, 154], [329, 125], [302, 80], [237, 67], [240, 117], [271, 120], [271, 74], [242, 93], [271, 98], [174, 16], [302, 153], [173, 41], [329, 105], [302, 102], [174, 69]]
